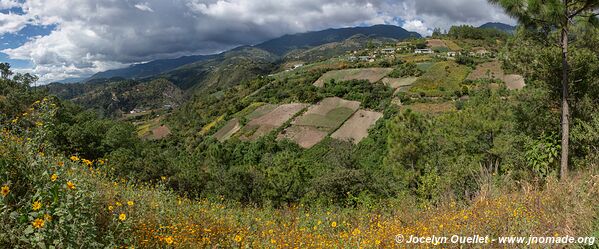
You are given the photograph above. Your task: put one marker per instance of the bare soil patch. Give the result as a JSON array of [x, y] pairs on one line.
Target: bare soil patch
[[514, 81], [356, 128], [487, 70], [304, 136], [160, 132], [436, 43]]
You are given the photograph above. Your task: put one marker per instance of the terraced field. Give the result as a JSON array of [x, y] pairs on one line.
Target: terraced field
[[230, 128], [443, 78], [320, 120], [399, 83], [356, 128], [493, 70], [371, 74], [260, 125]]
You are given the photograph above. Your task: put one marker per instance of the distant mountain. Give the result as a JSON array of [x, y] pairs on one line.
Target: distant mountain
[[151, 68], [277, 48], [281, 46], [499, 26], [119, 96]]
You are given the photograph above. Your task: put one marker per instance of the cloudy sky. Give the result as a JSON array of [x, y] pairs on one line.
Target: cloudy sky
[[61, 39]]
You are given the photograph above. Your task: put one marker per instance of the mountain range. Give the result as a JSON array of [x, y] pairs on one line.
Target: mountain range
[[277, 48]]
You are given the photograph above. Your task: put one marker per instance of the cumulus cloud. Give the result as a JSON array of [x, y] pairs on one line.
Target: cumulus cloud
[[92, 36], [8, 4], [10, 23]]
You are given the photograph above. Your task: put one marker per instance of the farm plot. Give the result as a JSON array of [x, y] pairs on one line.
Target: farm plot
[[356, 128], [230, 128], [262, 125], [321, 119], [436, 43], [443, 78], [488, 70], [370, 74], [431, 108], [396, 83], [493, 70]]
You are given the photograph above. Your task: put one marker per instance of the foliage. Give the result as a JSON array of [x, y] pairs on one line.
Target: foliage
[[469, 32], [406, 70]]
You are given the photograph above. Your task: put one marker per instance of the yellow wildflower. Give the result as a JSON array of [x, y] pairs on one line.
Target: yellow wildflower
[[70, 185], [36, 205], [4, 190], [53, 177], [38, 223], [74, 158], [237, 238], [130, 203], [356, 232], [110, 208], [118, 204], [87, 162], [60, 164], [169, 240], [163, 178], [122, 217], [333, 224]]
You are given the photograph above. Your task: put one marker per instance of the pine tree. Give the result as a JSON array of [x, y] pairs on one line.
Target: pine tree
[[556, 15]]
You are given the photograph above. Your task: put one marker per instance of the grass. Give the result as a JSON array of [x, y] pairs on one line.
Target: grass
[[443, 78], [331, 120]]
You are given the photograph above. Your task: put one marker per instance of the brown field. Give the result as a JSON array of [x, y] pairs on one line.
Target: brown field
[[160, 132], [431, 108], [230, 128], [370, 74], [396, 83], [304, 136], [493, 70], [260, 126], [356, 128], [514, 81], [488, 70], [321, 119], [436, 43]]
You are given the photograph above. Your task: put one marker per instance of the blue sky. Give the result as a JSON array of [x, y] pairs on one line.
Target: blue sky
[[62, 39], [15, 40]]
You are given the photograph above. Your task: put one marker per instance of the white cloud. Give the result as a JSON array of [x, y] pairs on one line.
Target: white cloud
[[8, 4], [10, 23], [417, 26], [92, 36], [143, 7]]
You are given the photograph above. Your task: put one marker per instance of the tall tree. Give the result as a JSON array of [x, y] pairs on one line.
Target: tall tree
[[556, 15]]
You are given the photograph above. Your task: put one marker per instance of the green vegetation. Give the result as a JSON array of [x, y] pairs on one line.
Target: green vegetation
[[442, 79], [469, 155]]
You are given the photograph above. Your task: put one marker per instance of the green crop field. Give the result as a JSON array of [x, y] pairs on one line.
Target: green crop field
[[443, 78]]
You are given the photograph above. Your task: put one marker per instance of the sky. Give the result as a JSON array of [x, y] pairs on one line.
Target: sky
[[62, 39]]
